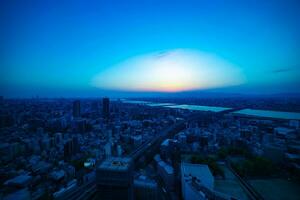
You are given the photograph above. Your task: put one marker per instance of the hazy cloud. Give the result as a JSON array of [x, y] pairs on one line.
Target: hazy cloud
[[175, 70]]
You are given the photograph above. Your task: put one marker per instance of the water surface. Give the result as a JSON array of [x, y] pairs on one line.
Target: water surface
[[199, 108], [269, 113]]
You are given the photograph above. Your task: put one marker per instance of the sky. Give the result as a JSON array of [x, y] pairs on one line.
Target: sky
[[66, 48]]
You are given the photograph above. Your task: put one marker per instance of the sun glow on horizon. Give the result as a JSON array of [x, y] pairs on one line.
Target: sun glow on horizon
[[171, 71]]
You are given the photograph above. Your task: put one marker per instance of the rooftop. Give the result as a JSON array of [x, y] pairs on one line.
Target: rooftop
[[169, 169], [116, 163], [283, 130], [19, 180], [200, 171]]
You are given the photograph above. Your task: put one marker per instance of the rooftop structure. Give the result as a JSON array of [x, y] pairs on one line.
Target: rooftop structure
[[115, 164]]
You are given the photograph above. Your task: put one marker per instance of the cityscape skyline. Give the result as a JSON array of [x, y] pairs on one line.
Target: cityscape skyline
[[150, 100], [156, 149]]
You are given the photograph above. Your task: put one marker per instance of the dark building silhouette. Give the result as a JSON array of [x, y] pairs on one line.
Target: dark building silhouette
[[76, 146], [114, 178], [146, 189], [71, 148], [6, 120], [76, 108], [106, 108], [68, 149]]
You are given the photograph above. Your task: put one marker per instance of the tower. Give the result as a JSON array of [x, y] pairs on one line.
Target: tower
[[106, 108], [76, 108], [68, 149]]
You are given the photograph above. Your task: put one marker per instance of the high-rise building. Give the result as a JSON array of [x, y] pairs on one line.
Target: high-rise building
[[76, 108], [76, 145], [193, 175], [119, 150], [166, 172], [114, 178], [145, 189], [68, 149], [71, 147], [107, 149], [106, 108]]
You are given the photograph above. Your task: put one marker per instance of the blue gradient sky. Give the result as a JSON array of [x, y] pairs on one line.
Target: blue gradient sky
[[55, 48]]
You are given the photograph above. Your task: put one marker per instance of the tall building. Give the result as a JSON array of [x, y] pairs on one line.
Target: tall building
[[106, 108], [107, 149], [196, 180], [71, 147], [114, 178], [166, 172], [145, 189], [76, 108], [76, 145], [119, 150], [68, 149]]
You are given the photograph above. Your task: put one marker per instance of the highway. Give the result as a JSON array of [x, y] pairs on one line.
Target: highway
[[81, 192], [137, 153], [172, 130]]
